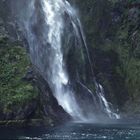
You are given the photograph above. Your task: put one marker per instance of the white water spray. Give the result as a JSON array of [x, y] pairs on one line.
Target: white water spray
[[53, 10], [105, 105], [44, 28]]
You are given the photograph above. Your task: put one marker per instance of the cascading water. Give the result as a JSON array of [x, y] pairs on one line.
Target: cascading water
[[44, 27], [104, 104], [53, 11]]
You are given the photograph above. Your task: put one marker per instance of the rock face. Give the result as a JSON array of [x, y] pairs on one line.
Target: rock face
[[18, 98], [48, 102], [112, 30], [24, 94]]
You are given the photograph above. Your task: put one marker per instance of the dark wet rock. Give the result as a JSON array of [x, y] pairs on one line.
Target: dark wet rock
[[49, 103]]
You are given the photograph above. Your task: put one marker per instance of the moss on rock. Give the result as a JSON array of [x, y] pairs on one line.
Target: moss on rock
[[15, 93], [112, 29]]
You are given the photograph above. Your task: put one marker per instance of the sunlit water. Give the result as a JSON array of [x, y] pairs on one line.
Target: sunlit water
[[76, 131]]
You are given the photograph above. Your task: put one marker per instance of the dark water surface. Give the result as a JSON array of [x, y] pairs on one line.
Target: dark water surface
[[72, 131]]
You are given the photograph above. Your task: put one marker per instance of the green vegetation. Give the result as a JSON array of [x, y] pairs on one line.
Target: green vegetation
[[15, 93], [112, 29], [129, 54]]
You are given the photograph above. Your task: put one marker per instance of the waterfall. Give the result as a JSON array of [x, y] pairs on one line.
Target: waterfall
[[43, 27], [104, 104], [53, 11]]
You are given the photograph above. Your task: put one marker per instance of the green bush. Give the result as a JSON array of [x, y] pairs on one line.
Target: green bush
[[14, 91]]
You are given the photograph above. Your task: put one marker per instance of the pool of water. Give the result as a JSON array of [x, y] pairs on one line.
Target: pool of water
[[74, 131]]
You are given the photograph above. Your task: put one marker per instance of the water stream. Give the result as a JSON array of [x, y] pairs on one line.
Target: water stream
[[44, 28]]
